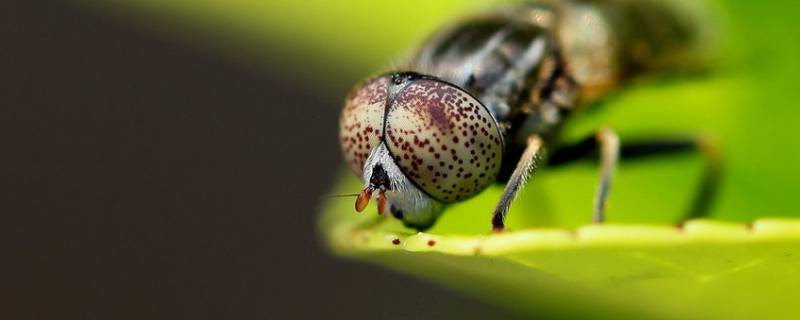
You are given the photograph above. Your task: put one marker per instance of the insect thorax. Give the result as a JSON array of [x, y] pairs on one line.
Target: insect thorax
[[532, 65], [510, 63]]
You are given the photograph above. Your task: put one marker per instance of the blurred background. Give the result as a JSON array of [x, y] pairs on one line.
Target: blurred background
[[166, 159], [152, 177]]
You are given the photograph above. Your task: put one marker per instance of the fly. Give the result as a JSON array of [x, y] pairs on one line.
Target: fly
[[484, 101]]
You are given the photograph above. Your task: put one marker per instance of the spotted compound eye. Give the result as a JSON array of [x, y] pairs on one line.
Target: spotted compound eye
[[443, 139], [361, 122]]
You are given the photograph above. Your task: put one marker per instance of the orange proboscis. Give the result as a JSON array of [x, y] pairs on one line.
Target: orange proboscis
[[382, 203], [363, 199]]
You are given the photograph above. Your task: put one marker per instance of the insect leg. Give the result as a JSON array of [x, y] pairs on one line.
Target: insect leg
[[706, 147], [606, 142], [524, 170], [609, 156], [635, 150]]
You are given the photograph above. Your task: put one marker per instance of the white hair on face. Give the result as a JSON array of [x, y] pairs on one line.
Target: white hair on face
[[417, 206]]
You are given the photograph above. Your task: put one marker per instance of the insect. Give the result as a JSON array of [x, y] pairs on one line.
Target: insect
[[484, 100]]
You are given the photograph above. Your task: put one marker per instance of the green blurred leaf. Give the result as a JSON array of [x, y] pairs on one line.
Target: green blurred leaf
[[704, 270], [323, 41]]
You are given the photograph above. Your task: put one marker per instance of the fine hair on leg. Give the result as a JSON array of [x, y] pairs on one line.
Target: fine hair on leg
[[524, 170]]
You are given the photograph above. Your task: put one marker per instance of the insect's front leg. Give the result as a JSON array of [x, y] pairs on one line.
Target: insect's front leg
[[525, 168]]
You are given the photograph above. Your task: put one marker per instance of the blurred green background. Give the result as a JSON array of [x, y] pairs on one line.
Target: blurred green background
[[169, 156]]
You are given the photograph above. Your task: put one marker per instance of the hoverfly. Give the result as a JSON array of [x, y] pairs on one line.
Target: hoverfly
[[484, 100]]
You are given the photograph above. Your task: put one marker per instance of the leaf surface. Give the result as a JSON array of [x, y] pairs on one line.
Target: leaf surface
[[701, 270]]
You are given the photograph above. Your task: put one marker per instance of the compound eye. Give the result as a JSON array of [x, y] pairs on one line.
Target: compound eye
[[443, 139], [361, 122]]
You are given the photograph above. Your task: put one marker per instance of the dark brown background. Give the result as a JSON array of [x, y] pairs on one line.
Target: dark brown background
[[143, 179]]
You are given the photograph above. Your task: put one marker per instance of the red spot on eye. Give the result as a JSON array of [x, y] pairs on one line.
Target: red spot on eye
[[431, 243], [396, 241]]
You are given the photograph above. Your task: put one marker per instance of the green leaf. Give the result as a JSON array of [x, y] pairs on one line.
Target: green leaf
[[704, 269]]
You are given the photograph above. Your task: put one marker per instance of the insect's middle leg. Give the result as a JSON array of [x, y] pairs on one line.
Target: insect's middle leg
[[606, 142], [646, 148]]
